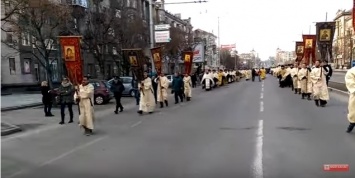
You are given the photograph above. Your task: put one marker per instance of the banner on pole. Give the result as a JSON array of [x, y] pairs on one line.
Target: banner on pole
[[187, 58], [309, 43], [135, 59], [71, 53], [157, 58], [299, 50]]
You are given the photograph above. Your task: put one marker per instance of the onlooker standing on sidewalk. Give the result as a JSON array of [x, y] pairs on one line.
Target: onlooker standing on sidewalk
[[46, 99], [84, 96], [66, 94], [117, 88]]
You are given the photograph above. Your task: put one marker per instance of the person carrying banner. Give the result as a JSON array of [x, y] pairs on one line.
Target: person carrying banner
[[146, 102], [85, 99], [187, 86], [350, 85], [162, 87], [320, 88]]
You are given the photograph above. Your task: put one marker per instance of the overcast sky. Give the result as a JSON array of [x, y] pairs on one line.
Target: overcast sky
[[263, 25]]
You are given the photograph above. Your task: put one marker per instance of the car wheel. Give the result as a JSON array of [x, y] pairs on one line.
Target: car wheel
[[132, 93], [99, 100]]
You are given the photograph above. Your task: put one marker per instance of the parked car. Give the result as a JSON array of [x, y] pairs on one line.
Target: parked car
[[170, 78], [102, 93], [127, 83]]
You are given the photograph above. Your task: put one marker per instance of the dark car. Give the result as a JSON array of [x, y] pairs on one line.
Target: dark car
[[102, 93]]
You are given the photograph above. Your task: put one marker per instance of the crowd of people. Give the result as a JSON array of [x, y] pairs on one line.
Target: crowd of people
[[311, 82]]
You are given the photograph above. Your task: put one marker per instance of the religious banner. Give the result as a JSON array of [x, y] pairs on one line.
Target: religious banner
[[157, 58], [187, 58], [71, 53], [299, 50], [136, 60], [309, 43], [325, 35]]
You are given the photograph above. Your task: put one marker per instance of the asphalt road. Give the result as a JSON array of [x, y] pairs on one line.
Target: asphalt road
[[338, 77], [246, 129]]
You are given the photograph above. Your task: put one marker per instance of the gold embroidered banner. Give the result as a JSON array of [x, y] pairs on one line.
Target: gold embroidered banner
[[136, 60], [309, 42], [299, 51], [71, 53], [187, 58], [157, 58]]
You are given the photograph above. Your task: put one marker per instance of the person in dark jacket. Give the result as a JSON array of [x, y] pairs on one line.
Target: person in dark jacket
[[178, 88], [328, 69], [155, 88], [136, 91], [46, 99], [194, 80], [117, 88], [66, 94]]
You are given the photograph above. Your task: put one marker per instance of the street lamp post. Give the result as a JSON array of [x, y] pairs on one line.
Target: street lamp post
[[151, 29]]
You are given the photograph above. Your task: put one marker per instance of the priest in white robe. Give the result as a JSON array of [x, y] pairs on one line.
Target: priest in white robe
[[350, 84], [147, 101], [294, 75], [207, 81], [84, 96], [187, 87], [320, 88], [162, 89]]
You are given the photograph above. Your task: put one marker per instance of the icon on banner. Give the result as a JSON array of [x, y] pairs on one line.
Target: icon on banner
[[187, 58], [156, 57], [133, 61], [69, 53]]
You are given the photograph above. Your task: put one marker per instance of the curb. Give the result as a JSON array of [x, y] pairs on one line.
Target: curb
[[10, 130], [11, 108], [338, 91]]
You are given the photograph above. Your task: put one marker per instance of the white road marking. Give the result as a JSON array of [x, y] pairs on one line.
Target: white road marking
[[60, 156], [261, 95], [262, 88], [136, 124], [261, 106], [258, 159]]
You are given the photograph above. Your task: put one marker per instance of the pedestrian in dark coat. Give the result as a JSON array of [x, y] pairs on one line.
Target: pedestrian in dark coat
[[47, 99], [117, 88], [178, 88]]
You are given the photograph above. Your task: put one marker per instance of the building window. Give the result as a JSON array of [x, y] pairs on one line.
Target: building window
[[54, 69], [9, 39], [12, 66], [27, 66], [26, 39]]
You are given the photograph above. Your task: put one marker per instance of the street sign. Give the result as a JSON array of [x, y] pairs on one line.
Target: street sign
[[162, 36], [162, 27]]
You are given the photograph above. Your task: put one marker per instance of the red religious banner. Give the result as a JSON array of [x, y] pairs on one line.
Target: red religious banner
[[229, 47], [188, 56], [309, 43], [299, 50], [353, 14], [135, 58], [72, 57], [157, 58]]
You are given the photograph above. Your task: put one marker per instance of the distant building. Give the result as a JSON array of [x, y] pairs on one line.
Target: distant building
[[283, 57], [208, 41]]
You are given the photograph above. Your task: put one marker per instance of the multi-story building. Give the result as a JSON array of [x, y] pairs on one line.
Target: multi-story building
[[343, 48], [283, 57], [206, 41]]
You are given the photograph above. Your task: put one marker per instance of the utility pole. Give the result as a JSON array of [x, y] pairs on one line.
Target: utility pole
[[151, 29], [219, 44]]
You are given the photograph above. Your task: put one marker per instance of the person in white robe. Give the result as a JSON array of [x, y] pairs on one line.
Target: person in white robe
[[303, 77], [207, 81], [350, 85], [147, 101], [162, 89], [294, 72], [84, 96], [215, 78], [320, 88], [187, 87]]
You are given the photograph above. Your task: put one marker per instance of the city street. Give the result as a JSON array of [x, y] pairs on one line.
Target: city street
[[338, 77], [245, 129]]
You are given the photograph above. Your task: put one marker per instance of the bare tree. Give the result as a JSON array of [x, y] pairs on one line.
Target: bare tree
[[39, 23], [226, 59], [12, 7]]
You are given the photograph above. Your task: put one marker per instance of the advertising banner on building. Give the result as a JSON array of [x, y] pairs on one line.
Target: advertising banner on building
[[299, 50], [157, 58], [309, 43], [71, 53], [136, 60], [162, 36], [187, 57], [228, 47], [199, 53]]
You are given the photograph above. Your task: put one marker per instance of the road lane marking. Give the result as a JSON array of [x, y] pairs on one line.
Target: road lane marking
[[60, 156], [261, 95], [261, 106], [258, 159], [136, 124], [262, 89]]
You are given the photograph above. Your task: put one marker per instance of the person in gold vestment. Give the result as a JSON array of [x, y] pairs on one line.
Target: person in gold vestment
[[350, 84], [147, 101], [85, 99], [320, 88], [162, 89], [187, 87], [262, 73]]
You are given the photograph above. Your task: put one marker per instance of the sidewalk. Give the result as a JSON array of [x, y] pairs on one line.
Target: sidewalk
[[19, 101]]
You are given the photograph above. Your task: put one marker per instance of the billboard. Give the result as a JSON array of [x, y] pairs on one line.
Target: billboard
[[199, 53]]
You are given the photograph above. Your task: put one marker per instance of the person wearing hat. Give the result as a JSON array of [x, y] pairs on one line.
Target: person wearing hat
[[350, 85], [146, 102], [162, 89], [117, 88]]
